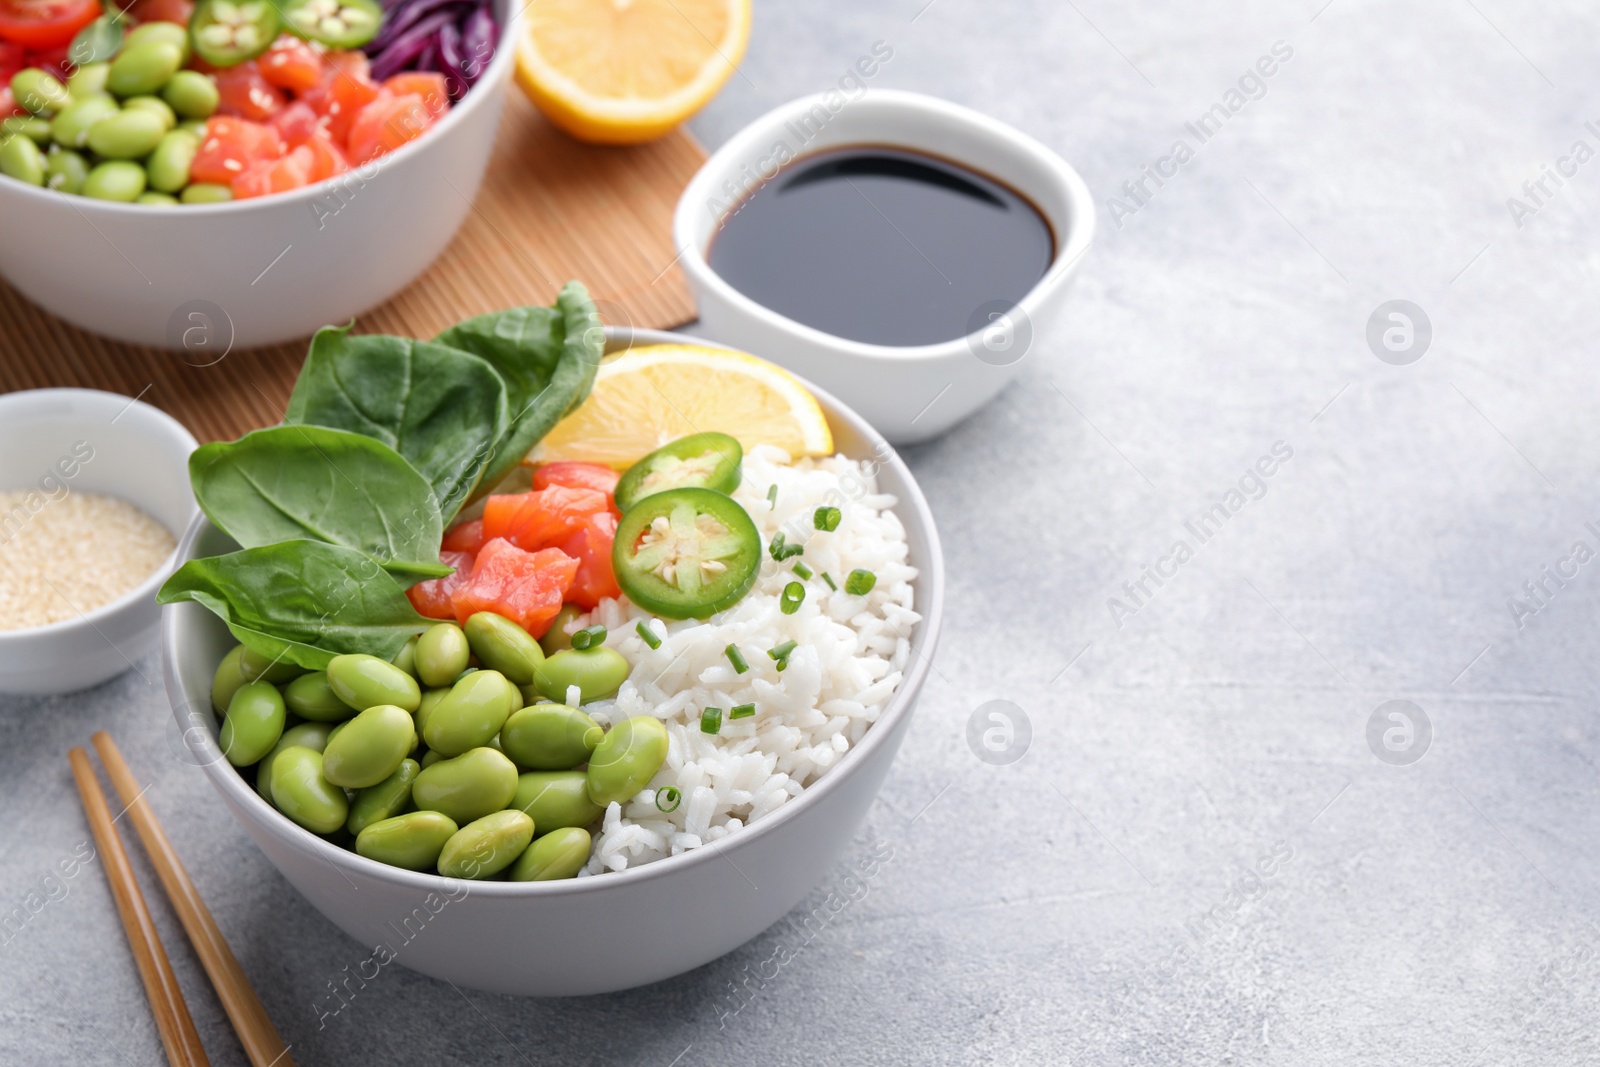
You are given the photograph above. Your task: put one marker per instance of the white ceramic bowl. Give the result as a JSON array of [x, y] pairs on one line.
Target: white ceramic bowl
[[241, 275], [589, 935], [134, 452], [908, 393]]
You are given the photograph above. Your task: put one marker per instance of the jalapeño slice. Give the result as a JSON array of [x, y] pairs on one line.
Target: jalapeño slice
[[225, 33], [686, 553], [701, 460], [341, 24]]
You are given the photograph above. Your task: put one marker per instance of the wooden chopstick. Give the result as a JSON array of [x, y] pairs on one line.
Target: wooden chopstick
[[250, 1021], [160, 984]]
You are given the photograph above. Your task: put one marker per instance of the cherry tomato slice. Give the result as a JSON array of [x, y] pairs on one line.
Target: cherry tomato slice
[[45, 24]]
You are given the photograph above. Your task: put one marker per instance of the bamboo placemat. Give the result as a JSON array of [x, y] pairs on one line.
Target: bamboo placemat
[[550, 210]]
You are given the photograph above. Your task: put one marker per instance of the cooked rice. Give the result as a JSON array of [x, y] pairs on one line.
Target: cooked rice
[[850, 657]]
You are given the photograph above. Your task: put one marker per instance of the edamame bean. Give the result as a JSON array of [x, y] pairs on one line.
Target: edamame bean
[[300, 791], [34, 129], [557, 639], [21, 159], [227, 680], [143, 68], [157, 199], [485, 847], [550, 737], [169, 32], [559, 854], [64, 171], [412, 841], [553, 799], [312, 735], [627, 759], [430, 757], [117, 180], [253, 724], [501, 645], [156, 106], [467, 787], [274, 669], [192, 94], [406, 658], [597, 672], [71, 126], [88, 80], [129, 134], [310, 697], [205, 193], [471, 713], [442, 653], [382, 801], [430, 700], [364, 681], [38, 91], [369, 748]]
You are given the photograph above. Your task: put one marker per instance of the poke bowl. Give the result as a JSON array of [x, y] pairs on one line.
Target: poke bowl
[[323, 235], [634, 913]]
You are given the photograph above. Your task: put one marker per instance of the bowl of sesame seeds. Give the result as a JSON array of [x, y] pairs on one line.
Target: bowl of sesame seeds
[[93, 486]]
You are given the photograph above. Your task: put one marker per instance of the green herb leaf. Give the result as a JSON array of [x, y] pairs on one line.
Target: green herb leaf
[[97, 41], [548, 358], [440, 408], [303, 601], [310, 483]]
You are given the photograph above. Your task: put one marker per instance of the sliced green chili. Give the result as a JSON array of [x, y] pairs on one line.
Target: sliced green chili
[[589, 637], [734, 657], [649, 635], [860, 582]]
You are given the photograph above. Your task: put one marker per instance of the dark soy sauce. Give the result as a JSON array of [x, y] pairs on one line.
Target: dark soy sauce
[[884, 246]]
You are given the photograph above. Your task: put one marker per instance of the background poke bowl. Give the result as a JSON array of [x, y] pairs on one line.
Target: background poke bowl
[[258, 271], [589, 935]]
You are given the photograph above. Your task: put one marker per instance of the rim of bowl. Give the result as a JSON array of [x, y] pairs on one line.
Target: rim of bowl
[[929, 586], [145, 590], [1073, 240], [494, 78]]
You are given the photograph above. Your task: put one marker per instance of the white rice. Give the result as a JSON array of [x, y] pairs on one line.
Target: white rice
[[850, 656]]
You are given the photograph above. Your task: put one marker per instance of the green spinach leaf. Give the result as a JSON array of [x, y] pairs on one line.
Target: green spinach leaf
[[441, 408], [548, 358], [308, 482], [305, 601]]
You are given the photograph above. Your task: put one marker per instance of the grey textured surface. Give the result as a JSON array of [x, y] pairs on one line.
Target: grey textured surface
[[1093, 903]]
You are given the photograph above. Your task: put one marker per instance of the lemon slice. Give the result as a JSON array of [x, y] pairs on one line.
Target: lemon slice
[[649, 396], [625, 71]]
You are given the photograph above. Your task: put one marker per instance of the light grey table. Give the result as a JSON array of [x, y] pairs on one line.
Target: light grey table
[[1201, 858]]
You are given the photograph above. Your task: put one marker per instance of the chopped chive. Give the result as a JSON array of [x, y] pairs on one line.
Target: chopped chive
[[772, 497], [829, 579], [741, 711], [589, 637], [794, 594], [860, 582], [781, 549], [735, 658], [668, 799], [826, 519], [802, 570], [782, 651], [783, 664], [710, 720], [648, 635]]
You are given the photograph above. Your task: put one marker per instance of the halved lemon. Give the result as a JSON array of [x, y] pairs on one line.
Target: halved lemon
[[625, 71], [649, 396]]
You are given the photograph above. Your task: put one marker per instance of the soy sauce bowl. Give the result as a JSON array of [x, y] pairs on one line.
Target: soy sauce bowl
[[908, 393], [582, 935]]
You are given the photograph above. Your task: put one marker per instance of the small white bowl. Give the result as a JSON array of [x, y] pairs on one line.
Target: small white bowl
[[586, 935], [208, 278], [908, 393], [136, 453]]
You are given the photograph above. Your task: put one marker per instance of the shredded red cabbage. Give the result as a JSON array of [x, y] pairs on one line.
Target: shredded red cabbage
[[456, 38]]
